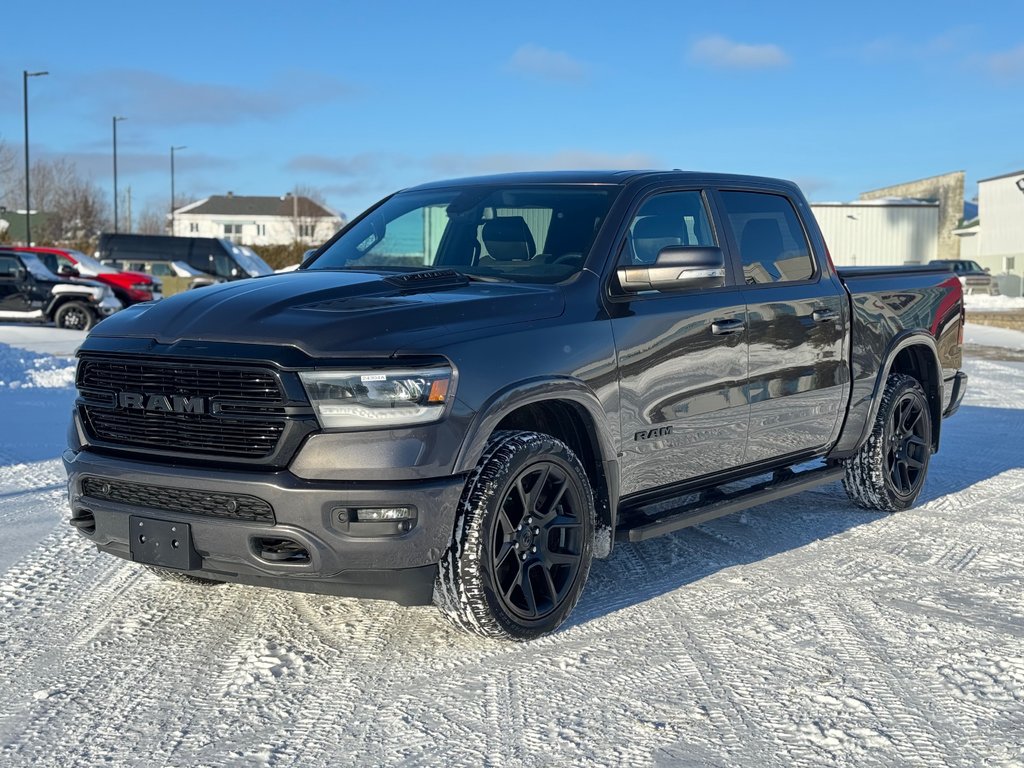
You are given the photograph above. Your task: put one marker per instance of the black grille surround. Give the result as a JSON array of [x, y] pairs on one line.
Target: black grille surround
[[230, 506], [245, 414]]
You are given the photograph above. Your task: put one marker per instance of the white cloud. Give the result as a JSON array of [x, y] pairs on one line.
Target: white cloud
[[1007, 63], [722, 53], [544, 63]]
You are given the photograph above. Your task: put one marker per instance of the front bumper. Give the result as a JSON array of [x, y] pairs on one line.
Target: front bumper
[[108, 306], [343, 557]]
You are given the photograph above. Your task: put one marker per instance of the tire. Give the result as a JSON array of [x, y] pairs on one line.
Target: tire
[[75, 316], [182, 578], [889, 470], [523, 541]]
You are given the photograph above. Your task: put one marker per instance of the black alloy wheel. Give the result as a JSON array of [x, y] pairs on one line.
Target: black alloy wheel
[[536, 541], [523, 540], [907, 451]]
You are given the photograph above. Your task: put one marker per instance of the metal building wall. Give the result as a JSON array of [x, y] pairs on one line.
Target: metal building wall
[[1001, 207], [881, 234]]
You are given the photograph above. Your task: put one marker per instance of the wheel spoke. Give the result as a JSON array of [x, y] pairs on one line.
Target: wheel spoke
[[552, 506], [914, 463], [499, 559], [527, 586], [506, 523], [564, 521], [550, 583], [561, 558]]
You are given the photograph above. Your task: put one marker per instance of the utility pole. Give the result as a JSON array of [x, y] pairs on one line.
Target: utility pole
[[128, 195], [115, 120], [25, 75], [173, 150]]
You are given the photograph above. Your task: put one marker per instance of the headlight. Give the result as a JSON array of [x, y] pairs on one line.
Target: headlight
[[378, 398]]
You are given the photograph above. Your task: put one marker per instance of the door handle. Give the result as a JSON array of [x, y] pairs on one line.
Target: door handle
[[727, 327], [824, 315]]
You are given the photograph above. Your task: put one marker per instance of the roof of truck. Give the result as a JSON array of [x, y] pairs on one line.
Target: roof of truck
[[598, 177]]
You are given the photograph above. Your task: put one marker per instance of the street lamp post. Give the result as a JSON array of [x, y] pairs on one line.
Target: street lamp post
[[173, 150], [114, 122], [25, 75]]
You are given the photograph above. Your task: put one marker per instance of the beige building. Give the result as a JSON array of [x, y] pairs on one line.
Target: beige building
[[887, 232]]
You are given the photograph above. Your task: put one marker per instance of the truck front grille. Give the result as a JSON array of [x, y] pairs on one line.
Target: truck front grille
[[182, 407], [233, 506]]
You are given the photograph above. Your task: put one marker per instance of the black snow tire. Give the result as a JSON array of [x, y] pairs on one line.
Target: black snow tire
[[74, 316], [888, 472], [523, 541], [182, 578]]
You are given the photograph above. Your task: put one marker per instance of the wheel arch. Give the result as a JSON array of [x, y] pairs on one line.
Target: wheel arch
[[916, 355], [568, 410]]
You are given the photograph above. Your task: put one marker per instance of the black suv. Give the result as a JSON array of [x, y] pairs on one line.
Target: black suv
[[29, 291]]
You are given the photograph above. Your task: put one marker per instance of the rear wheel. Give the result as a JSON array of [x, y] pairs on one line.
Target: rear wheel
[[889, 470], [75, 316], [523, 541], [182, 578]]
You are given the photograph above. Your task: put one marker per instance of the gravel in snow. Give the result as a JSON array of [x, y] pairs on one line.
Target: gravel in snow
[[801, 633]]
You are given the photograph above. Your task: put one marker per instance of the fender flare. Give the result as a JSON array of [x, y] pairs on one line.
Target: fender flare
[[899, 343], [537, 390]]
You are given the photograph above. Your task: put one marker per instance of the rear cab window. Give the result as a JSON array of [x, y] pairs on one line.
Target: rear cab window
[[769, 237]]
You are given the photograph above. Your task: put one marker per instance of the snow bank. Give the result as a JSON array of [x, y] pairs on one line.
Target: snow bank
[[982, 302], [989, 336], [22, 369]]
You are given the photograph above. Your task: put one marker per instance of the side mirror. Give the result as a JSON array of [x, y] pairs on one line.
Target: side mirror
[[19, 273], [66, 270], [677, 268]]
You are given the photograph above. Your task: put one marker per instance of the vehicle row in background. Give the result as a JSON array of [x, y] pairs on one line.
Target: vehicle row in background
[[30, 291], [129, 287]]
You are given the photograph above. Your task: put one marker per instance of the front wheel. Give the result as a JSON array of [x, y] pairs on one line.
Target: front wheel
[[75, 316], [523, 540], [889, 470]]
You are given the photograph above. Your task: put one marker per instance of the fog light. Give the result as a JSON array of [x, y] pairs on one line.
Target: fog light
[[374, 515]]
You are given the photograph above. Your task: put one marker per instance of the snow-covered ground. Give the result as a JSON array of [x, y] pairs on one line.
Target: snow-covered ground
[[802, 633], [982, 302]]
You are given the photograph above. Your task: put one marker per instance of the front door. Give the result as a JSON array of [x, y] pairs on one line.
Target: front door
[[796, 323], [682, 358]]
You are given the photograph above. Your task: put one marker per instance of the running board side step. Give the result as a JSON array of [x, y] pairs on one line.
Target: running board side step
[[762, 493]]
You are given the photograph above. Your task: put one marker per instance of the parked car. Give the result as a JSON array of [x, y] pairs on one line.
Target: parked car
[[212, 256], [29, 291], [129, 287], [477, 386], [168, 269], [973, 277]]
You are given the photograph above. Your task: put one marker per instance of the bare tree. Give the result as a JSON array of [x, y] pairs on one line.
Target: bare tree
[[307, 215], [70, 208], [152, 221]]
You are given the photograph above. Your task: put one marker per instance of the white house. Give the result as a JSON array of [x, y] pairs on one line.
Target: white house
[[996, 239], [258, 220]]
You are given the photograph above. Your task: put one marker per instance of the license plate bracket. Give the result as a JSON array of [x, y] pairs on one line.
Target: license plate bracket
[[162, 543]]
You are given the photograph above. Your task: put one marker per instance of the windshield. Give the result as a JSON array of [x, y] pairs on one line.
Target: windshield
[[529, 233], [88, 266], [250, 261]]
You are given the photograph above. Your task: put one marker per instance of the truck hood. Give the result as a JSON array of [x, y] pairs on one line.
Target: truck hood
[[333, 313]]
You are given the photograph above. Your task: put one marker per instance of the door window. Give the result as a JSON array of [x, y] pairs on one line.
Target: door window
[[8, 266], [772, 243], [668, 219]]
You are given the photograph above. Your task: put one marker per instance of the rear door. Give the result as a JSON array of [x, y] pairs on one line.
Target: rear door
[[682, 356], [796, 318]]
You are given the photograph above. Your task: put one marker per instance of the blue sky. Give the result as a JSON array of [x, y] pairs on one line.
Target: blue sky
[[360, 99]]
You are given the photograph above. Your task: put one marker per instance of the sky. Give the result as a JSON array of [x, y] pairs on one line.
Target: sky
[[357, 100]]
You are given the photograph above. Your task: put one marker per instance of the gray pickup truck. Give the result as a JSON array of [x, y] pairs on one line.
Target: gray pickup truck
[[477, 386]]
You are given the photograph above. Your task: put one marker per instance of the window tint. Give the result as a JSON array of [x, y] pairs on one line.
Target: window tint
[[668, 219], [49, 261], [773, 247], [8, 266]]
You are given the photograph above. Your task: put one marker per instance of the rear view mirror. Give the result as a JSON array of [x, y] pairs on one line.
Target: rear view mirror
[[677, 268]]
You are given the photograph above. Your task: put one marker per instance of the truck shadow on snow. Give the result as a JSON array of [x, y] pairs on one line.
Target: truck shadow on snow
[[978, 444]]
